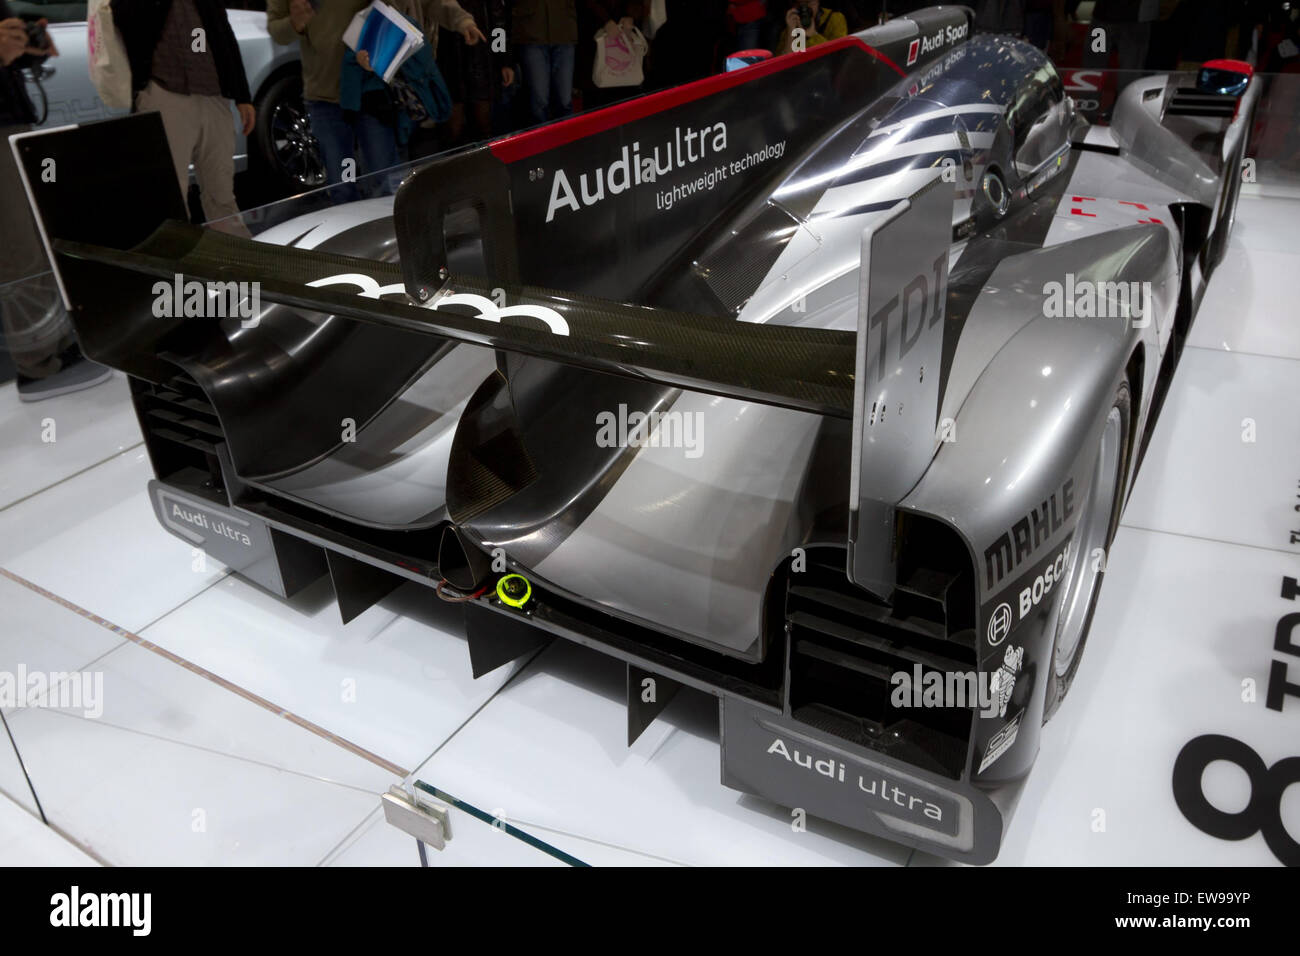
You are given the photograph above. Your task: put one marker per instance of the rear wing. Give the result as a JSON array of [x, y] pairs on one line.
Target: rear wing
[[576, 232], [555, 255], [806, 369]]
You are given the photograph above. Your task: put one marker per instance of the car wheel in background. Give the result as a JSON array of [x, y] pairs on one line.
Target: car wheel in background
[[288, 156], [995, 193]]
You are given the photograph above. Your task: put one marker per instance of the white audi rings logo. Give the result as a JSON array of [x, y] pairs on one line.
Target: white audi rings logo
[[487, 310]]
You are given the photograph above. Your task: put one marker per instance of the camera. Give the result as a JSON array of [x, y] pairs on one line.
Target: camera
[[37, 38], [805, 16]]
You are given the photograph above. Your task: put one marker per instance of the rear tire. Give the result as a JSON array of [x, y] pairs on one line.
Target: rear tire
[[1098, 523]]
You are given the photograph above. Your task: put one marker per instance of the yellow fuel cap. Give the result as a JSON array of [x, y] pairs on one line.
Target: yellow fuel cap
[[514, 589]]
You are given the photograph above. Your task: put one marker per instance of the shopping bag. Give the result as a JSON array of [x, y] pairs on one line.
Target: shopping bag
[[619, 58], [110, 70]]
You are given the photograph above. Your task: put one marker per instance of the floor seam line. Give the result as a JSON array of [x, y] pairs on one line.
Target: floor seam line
[[204, 748], [406, 778], [346, 837], [1263, 355], [1201, 537], [40, 491], [534, 826], [203, 672], [197, 594], [58, 830]]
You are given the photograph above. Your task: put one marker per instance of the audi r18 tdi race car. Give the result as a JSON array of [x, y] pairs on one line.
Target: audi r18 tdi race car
[[818, 386]]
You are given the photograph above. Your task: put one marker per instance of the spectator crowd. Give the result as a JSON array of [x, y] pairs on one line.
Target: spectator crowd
[[510, 64]]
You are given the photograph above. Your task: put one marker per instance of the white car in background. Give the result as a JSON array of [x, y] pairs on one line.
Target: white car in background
[[281, 150]]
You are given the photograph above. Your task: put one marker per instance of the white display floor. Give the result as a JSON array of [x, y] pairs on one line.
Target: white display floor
[[237, 728]]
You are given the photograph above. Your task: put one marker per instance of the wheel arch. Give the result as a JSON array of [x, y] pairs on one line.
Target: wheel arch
[[1135, 370], [277, 72], [1024, 447]]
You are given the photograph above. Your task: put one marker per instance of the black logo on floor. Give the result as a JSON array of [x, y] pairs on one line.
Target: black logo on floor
[[1263, 814]]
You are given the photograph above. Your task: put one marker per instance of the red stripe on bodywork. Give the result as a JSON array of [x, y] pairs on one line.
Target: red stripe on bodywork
[[1232, 66], [523, 145]]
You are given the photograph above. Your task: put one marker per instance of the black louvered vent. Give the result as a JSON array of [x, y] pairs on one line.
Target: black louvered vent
[[846, 647], [182, 433], [1188, 101]]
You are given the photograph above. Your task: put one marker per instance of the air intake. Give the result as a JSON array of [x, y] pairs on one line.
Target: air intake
[[182, 432], [845, 649], [1187, 101]]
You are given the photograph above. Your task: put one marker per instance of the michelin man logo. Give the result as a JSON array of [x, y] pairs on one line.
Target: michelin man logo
[[1004, 679]]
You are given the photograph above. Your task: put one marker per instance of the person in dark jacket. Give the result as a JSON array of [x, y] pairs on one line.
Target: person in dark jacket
[[185, 64], [415, 94], [1000, 16], [688, 46], [1125, 27], [545, 34], [476, 74], [37, 332]]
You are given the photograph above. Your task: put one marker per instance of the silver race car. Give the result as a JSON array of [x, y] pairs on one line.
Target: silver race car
[[818, 386]]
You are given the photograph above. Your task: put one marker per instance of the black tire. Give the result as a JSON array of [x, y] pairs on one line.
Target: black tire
[[1058, 684], [283, 154]]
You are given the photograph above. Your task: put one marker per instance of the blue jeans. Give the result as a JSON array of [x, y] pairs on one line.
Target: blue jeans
[[548, 74], [339, 134]]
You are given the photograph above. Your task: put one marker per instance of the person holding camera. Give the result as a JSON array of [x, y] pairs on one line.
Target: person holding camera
[[817, 23], [36, 327]]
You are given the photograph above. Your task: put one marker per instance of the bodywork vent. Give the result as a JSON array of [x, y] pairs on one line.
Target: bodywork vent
[[845, 649], [182, 432], [1187, 101]]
